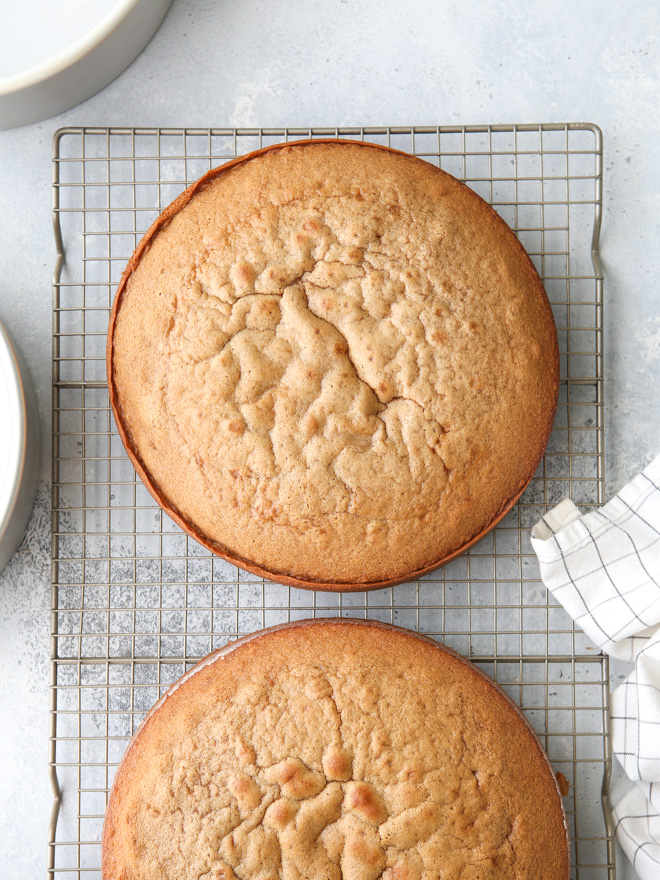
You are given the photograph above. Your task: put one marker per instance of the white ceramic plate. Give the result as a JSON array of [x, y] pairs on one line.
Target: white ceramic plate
[[55, 55], [19, 447]]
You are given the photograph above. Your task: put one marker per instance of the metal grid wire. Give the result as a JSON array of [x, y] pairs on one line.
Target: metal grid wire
[[135, 602]]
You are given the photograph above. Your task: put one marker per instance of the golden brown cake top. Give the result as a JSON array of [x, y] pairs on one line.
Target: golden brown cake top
[[336, 750], [334, 361]]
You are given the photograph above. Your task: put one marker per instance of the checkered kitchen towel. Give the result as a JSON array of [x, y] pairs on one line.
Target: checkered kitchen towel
[[604, 568]]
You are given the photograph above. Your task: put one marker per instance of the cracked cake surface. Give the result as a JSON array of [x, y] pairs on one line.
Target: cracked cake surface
[[333, 362], [335, 750]]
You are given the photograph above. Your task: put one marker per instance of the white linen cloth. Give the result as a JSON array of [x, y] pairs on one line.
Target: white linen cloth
[[604, 568]]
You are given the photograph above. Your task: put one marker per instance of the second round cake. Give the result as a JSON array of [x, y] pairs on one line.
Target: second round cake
[[335, 750], [333, 364]]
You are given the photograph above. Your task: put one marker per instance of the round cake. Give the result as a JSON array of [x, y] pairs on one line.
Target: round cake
[[335, 750], [333, 364]]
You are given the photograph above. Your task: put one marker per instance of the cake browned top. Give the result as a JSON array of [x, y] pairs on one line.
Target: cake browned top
[[335, 750], [334, 362]]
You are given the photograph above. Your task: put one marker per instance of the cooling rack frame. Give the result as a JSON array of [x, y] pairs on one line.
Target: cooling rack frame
[[135, 602]]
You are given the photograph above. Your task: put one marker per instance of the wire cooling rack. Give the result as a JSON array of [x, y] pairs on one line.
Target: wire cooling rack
[[135, 601]]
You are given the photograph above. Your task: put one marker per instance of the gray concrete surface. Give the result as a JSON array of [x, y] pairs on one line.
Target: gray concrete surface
[[337, 62]]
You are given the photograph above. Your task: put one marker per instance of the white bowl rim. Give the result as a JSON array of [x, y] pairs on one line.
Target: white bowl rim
[[18, 428], [24, 79]]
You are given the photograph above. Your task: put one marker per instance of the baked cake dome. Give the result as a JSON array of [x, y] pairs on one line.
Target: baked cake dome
[[335, 750], [333, 364]]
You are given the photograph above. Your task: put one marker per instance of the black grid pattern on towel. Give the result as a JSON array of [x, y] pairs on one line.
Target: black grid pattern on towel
[[610, 568]]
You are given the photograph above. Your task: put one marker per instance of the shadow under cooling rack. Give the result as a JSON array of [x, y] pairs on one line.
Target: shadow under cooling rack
[[135, 602]]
